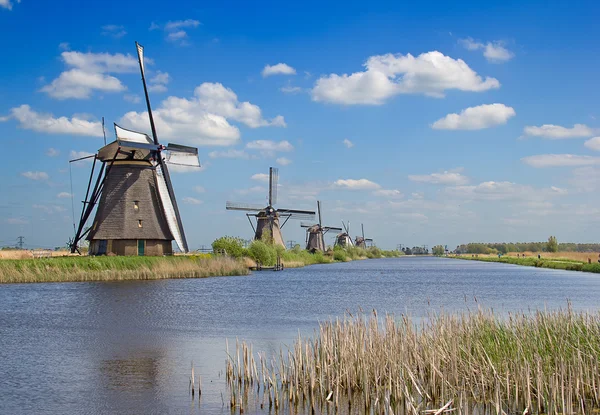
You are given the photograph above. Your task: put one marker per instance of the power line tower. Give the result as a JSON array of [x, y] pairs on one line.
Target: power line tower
[[291, 244], [399, 247], [20, 242]]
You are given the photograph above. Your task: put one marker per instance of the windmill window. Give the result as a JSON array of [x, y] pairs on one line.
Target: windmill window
[[139, 223], [136, 205]]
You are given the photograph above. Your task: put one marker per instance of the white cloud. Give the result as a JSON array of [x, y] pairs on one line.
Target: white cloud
[[556, 132], [90, 72], [494, 52], [290, 89], [159, 82], [279, 69], [357, 184], [199, 189], [593, 143], [63, 195], [450, 178], [261, 177], [175, 36], [560, 160], [229, 154], [502, 191], [35, 175], [282, 161], [115, 31], [430, 73], [348, 143], [134, 99], [179, 24], [192, 201], [64, 46], [52, 152], [391, 193], [272, 146], [204, 118], [7, 4], [46, 123], [79, 154], [476, 118]]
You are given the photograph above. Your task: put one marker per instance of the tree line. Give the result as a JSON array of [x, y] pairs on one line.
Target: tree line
[[504, 247]]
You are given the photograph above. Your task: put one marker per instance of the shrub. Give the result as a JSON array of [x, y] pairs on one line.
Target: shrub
[[263, 253], [339, 254], [233, 246]]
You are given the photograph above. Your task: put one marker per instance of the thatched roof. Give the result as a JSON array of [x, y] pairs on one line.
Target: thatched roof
[[130, 196]]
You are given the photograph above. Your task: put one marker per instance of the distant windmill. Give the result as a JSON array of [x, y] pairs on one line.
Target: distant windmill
[[361, 241], [137, 212], [344, 239], [315, 234], [267, 218]]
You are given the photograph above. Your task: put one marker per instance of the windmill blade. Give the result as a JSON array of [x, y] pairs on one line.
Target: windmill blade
[[331, 228], [368, 240], [273, 183], [363, 230], [297, 214], [319, 210], [130, 135], [140, 52], [182, 155], [167, 197], [307, 225], [246, 207]]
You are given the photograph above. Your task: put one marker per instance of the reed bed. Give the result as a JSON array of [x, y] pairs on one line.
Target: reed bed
[[117, 268], [469, 363], [533, 261]]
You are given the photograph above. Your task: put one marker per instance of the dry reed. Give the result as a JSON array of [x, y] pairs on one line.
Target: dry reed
[[475, 362]]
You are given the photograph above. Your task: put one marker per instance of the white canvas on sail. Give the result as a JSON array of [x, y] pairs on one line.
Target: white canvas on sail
[[140, 51], [183, 158], [169, 209], [134, 136]]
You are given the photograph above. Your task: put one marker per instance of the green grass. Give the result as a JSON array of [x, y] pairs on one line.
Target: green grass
[[107, 268], [566, 264]]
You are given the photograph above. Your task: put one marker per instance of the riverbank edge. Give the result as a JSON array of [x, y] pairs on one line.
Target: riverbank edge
[[555, 263], [90, 269]]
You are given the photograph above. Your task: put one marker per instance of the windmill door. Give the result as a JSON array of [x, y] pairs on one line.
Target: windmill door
[[141, 247], [102, 244]]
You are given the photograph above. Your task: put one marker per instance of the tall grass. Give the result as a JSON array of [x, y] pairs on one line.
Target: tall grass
[[553, 263], [474, 362], [117, 268]]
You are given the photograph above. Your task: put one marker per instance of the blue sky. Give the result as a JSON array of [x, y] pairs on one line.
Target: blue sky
[[429, 123]]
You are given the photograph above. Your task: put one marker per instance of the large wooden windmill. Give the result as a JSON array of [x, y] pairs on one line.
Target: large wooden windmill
[[361, 241], [344, 239], [315, 234], [137, 212], [268, 218]]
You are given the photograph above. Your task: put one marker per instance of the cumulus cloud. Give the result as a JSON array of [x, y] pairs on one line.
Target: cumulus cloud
[[348, 143], [270, 146], [279, 69], [357, 184], [593, 143], [192, 201], [35, 175], [113, 30], [176, 31], [261, 177], [494, 52], [560, 160], [63, 195], [90, 72], [47, 123], [159, 82], [557, 132], [476, 118], [385, 76], [282, 161], [495, 191], [450, 178], [8, 4], [204, 118], [391, 193], [52, 152]]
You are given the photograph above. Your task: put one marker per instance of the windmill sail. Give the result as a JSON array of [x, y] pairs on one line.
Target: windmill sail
[[132, 136], [169, 209], [182, 155]]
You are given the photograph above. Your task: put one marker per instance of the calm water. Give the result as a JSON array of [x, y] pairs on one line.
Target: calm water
[[127, 347]]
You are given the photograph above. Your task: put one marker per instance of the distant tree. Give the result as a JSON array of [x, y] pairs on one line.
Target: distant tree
[[552, 245], [438, 250]]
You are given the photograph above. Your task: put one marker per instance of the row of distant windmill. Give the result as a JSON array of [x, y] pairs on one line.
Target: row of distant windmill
[[136, 208]]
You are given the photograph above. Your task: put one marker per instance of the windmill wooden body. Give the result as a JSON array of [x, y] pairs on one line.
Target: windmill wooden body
[[361, 241], [344, 239], [136, 209], [268, 219], [315, 234]]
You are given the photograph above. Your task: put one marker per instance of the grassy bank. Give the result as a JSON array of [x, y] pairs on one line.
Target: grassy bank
[[533, 261], [476, 362], [117, 268]]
